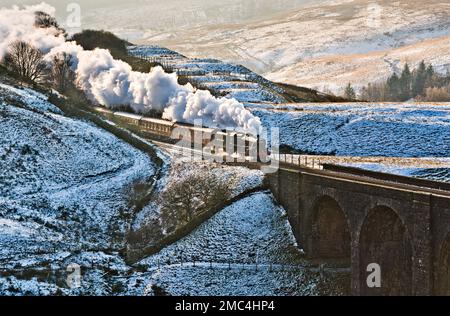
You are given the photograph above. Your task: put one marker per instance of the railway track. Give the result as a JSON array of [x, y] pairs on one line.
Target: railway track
[[315, 165]]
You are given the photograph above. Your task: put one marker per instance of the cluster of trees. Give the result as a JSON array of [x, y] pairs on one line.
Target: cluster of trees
[[182, 202], [422, 84], [197, 193], [27, 62], [44, 20]]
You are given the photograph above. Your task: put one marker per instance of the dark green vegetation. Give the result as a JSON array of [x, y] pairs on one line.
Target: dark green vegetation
[[422, 84]]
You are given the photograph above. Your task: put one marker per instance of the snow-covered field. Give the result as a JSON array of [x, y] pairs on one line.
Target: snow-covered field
[[408, 130], [230, 80], [324, 44], [63, 196], [252, 230], [358, 129]]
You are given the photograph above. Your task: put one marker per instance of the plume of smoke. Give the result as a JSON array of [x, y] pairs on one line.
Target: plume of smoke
[[112, 83], [18, 24]]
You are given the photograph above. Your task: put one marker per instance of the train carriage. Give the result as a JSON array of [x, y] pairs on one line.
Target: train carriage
[[128, 118], [156, 126], [105, 112], [233, 146]]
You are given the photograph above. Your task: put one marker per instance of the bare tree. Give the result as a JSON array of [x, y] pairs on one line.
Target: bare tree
[[196, 193], [25, 60], [182, 197], [62, 74]]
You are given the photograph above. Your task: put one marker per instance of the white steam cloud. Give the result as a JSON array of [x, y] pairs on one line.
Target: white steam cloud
[[111, 82]]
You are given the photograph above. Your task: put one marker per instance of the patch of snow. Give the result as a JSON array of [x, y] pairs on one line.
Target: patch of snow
[[362, 129], [251, 230]]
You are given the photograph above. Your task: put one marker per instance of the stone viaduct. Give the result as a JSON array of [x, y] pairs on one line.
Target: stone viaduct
[[362, 217]]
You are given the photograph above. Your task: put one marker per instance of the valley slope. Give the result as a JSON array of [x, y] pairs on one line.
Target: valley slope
[[327, 44]]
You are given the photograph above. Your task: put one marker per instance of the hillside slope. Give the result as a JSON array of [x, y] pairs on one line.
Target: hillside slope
[[63, 191], [228, 80], [327, 44]]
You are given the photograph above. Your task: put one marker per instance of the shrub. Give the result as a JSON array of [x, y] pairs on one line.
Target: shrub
[[91, 39]]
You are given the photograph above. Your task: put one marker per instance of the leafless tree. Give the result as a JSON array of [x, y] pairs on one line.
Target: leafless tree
[[25, 60], [196, 193], [62, 74], [182, 196]]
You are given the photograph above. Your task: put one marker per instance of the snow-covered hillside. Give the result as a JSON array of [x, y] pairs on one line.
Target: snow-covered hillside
[[358, 129], [252, 230], [63, 191], [225, 79], [325, 44]]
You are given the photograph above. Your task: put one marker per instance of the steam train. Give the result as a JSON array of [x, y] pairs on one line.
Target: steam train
[[231, 145]]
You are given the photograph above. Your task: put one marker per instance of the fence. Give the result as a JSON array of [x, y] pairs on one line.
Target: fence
[[250, 266], [299, 160], [157, 265]]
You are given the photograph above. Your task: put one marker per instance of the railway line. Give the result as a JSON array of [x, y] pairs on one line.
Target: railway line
[[160, 133], [304, 184]]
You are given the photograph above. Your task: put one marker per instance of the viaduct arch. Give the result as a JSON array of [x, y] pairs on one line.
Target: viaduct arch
[[402, 224], [385, 240], [444, 268], [328, 230]]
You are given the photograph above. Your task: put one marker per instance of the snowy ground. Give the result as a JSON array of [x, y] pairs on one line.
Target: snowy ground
[[367, 130], [64, 200], [324, 44], [392, 130], [251, 230], [64, 188], [63, 191], [230, 80], [176, 170]]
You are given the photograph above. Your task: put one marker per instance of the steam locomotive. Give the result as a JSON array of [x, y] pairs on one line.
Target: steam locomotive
[[231, 145]]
